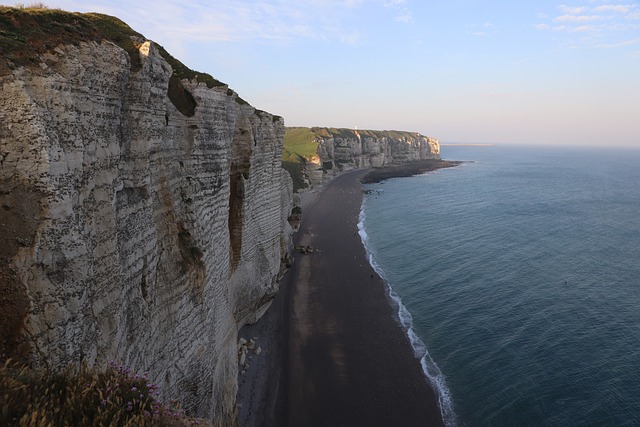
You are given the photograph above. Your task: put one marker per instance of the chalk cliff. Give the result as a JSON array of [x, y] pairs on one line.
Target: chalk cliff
[[343, 149], [143, 216], [346, 148]]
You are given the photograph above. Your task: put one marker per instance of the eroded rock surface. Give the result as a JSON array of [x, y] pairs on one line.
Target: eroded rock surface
[[134, 227], [346, 149]]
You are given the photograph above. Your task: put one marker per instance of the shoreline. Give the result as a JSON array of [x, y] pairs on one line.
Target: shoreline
[[405, 170], [403, 317], [334, 350]]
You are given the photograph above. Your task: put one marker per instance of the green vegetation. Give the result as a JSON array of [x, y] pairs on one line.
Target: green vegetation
[[28, 31], [351, 133], [84, 397], [300, 144], [119, 33], [181, 71]]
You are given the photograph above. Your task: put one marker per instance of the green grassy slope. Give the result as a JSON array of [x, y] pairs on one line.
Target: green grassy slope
[[26, 33], [301, 143]]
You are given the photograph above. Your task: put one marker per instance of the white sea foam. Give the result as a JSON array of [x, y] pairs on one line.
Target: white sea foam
[[429, 367]]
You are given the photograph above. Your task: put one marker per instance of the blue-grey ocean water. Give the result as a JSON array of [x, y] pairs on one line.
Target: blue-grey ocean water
[[520, 273]]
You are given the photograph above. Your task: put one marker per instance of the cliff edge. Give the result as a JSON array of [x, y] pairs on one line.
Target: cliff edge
[[143, 207], [315, 154]]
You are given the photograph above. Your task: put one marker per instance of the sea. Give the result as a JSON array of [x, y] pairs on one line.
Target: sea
[[517, 278]]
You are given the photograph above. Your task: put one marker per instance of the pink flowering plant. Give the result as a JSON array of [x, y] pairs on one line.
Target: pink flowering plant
[[115, 397]]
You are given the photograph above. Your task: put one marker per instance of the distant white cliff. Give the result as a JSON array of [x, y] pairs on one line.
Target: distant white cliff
[[345, 149]]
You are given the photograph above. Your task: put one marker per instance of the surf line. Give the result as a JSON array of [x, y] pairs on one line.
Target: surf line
[[429, 367]]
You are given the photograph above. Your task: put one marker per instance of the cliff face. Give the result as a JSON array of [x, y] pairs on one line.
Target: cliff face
[[344, 149], [136, 224]]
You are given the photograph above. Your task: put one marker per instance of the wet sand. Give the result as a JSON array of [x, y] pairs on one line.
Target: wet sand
[[337, 355]]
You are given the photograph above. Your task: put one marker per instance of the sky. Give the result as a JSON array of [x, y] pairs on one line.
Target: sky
[[486, 71]]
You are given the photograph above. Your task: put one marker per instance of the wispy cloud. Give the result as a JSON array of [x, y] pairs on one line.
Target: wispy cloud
[[353, 38], [483, 30], [630, 42], [582, 29], [571, 10], [401, 10], [619, 8], [232, 20], [596, 24], [578, 18], [405, 16]]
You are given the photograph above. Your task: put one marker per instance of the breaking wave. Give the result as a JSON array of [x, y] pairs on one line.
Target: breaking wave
[[429, 367]]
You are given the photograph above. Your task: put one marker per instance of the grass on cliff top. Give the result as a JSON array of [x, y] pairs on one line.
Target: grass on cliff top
[[25, 33], [351, 133], [84, 397], [300, 144]]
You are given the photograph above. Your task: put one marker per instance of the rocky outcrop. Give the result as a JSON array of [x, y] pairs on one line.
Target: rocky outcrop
[[345, 149], [143, 218]]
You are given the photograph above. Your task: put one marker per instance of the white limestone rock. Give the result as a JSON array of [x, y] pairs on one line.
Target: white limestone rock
[[132, 232], [353, 150]]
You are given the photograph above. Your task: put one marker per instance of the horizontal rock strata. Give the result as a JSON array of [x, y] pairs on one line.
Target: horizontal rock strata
[[346, 149], [143, 218]]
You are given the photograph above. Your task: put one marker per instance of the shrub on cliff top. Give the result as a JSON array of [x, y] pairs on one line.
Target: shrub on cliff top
[[35, 5], [27, 31], [84, 397]]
